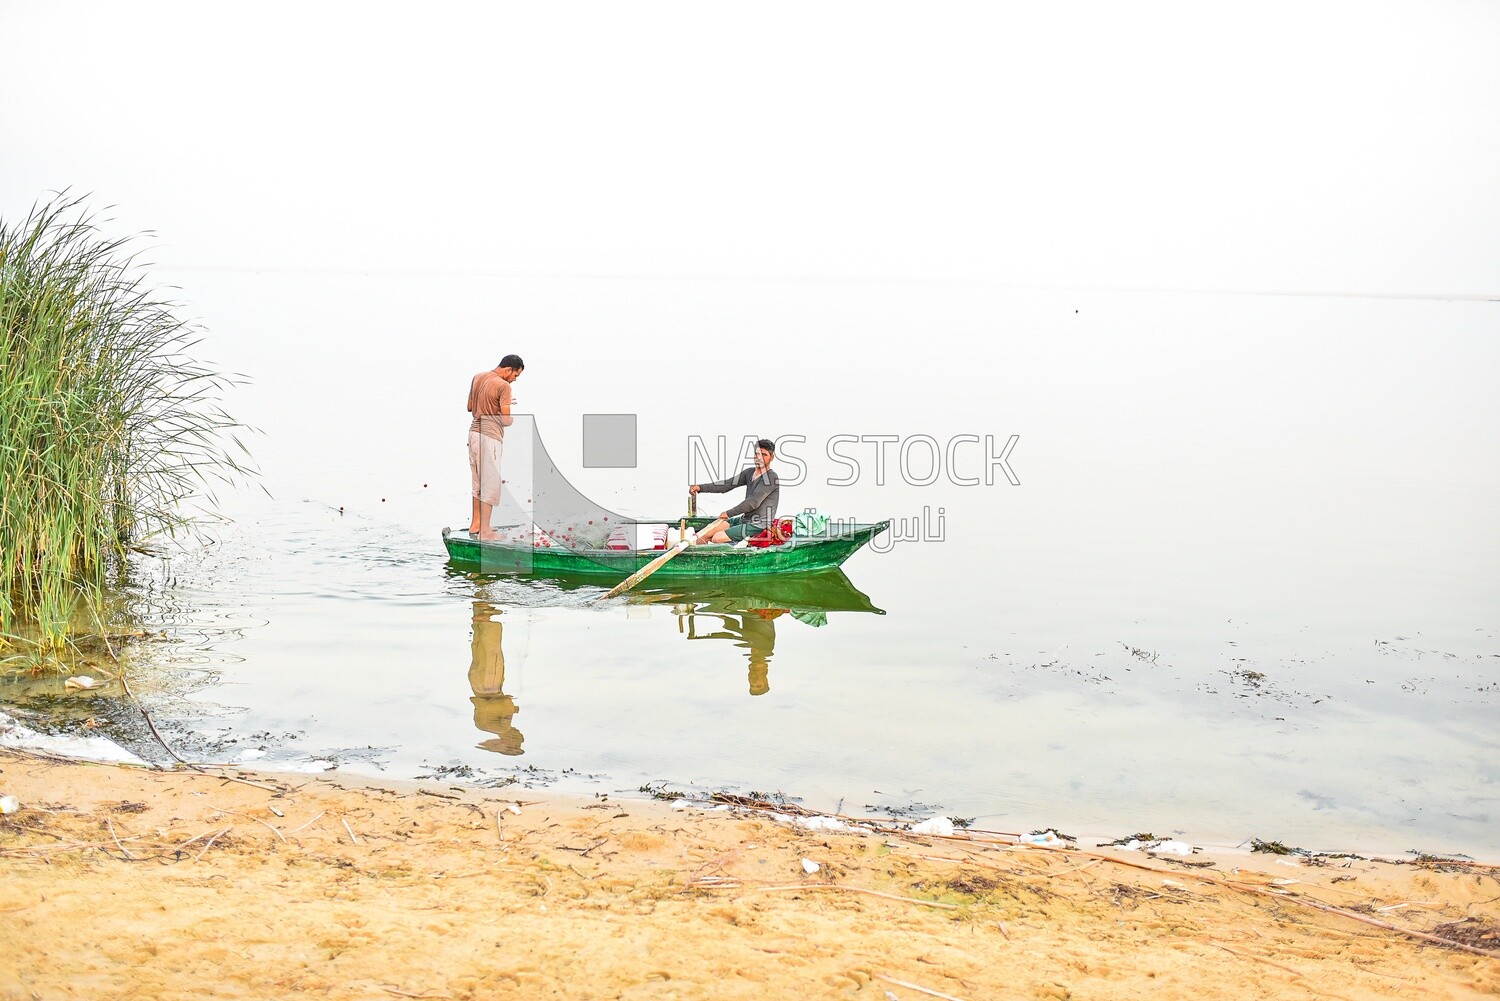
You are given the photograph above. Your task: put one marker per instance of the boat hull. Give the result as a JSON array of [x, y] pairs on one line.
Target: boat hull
[[799, 556]]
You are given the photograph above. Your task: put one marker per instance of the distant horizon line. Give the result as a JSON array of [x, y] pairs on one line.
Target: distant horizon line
[[814, 279]]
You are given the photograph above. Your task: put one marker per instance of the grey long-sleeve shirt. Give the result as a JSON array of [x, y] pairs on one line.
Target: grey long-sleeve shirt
[[762, 496]]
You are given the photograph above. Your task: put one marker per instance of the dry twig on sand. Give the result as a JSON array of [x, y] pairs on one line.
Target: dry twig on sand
[[1280, 894], [123, 850], [247, 816], [211, 841], [915, 987], [1258, 959], [857, 889], [987, 843], [309, 823]]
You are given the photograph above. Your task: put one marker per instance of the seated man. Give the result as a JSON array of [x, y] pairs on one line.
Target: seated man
[[754, 514]]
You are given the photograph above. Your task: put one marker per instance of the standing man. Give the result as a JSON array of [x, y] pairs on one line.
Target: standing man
[[489, 402], [754, 514]]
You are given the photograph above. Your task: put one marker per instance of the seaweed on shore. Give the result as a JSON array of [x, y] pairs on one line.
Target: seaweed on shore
[[1275, 848], [1473, 932], [659, 790], [1143, 838]]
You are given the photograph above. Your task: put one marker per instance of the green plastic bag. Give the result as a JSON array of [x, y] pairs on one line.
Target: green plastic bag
[[810, 522]]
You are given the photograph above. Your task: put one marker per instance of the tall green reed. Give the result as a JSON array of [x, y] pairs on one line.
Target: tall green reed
[[109, 429]]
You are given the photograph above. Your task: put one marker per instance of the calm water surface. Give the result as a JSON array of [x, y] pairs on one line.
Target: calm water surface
[[1245, 587]]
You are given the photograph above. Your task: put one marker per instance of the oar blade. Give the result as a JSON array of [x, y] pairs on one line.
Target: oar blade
[[645, 571]]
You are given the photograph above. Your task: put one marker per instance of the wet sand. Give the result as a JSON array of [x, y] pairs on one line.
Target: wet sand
[[124, 882]]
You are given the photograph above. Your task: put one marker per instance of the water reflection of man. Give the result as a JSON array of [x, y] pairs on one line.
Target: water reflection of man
[[755, 630], [493, 709]]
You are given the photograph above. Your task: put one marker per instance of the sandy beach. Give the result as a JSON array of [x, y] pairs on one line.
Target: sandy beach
[[124, 882]]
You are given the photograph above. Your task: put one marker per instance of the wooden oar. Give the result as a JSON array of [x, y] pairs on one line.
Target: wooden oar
[[645, 571]]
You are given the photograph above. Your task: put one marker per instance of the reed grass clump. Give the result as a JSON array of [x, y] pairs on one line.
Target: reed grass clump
[[108, 426]]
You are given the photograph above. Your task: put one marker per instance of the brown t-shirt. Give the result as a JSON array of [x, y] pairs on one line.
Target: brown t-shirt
[[488, 394]]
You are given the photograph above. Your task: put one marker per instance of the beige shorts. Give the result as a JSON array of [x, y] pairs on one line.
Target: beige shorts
[[484, 467]]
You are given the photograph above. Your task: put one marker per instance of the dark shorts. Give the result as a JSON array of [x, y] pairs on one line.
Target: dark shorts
[[739, 528]]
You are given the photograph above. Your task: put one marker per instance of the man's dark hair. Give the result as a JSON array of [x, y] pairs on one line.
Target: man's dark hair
[[767, 444], [511, 361]]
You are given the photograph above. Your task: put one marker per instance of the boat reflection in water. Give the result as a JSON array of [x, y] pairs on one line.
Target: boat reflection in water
[[746, 611], [493, 709]]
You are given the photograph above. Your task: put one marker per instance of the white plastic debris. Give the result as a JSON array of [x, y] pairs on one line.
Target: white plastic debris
[[9, 804], [814, 823], [82, 681], [13, 734], [313, 767], [809, 866], [251, 753], [1044, 838], [934, 825], [1174, 848], [823, 824]]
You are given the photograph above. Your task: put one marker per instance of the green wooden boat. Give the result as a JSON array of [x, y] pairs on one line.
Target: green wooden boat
[[799, 555], [819, 592]]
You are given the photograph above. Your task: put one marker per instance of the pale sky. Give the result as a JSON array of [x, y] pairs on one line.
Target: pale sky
[[1310, 146]]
